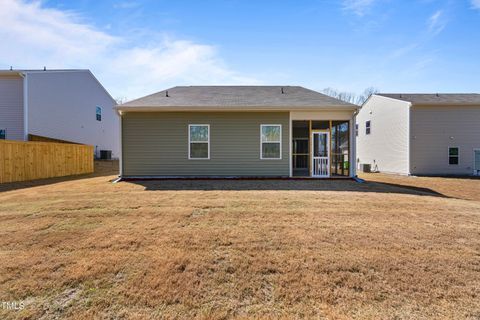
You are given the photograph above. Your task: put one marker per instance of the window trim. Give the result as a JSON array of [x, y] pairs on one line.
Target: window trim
[[4, 129], [190, 142], [457, 156], [261, 142], [368, 127], [101, 113]]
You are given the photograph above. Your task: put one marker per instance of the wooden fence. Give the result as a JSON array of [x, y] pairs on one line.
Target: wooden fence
[[21, 161]]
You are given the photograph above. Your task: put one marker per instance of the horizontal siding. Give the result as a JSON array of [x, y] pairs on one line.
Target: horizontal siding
[[156, 144], [11, 106], [62, 106], [386, 147], [434, 129]]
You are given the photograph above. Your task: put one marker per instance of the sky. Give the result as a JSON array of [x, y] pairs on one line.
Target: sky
[[139, 47]]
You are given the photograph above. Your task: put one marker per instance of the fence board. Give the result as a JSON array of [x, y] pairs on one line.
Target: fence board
[[20, 161]]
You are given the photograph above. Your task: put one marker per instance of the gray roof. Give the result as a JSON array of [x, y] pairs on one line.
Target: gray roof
[[15, 71], [236, 97], [435, 98]]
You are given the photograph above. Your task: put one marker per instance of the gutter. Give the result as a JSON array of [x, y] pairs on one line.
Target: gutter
[[121, 109]]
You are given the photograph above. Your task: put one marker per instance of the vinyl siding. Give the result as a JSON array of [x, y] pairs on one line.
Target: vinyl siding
[[386, 147], [62, 105], [11, 106], [434, 129], [156, 144]]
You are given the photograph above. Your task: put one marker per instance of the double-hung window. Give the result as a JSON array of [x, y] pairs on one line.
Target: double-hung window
[[270, 141], [198, 141], [453, 155], [368, 127], [98, 113], [3, 134]]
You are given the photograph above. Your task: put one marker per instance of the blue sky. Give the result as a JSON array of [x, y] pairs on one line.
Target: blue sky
[[138, 47]]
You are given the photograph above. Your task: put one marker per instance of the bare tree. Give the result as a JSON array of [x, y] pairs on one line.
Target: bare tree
[[350, 96]]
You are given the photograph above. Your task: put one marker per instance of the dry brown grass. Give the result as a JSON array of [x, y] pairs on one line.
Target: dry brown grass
[[456, 187], [238, 249]]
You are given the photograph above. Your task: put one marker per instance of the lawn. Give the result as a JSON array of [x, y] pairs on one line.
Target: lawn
[[391, 248]]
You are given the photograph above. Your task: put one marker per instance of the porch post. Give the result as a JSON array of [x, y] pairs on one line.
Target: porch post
[[290, 137]]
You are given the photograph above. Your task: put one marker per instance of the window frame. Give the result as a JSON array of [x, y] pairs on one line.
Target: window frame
[[101, 113], [457, 156], [5, 130], [356, 129], [279, 141], [190, 141], [368, 127]]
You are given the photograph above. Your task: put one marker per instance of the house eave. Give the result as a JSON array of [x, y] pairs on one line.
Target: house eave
[[122, 109]]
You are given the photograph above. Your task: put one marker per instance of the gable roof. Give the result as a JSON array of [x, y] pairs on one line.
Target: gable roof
[[20, 72], [235, 98], [433, 99]]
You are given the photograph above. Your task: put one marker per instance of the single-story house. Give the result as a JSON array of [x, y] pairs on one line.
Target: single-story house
[[420, 134], [57, 106], [237, 131]]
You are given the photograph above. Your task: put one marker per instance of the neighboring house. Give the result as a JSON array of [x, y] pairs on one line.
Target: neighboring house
[[420, 134], [237, 131], [57, 105]]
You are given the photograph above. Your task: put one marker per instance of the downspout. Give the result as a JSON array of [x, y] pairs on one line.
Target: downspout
[[409, 140], [25, 105], [354, 144], [120, 157]]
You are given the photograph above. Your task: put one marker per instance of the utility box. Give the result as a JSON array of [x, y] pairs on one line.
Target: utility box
[[106, 154]]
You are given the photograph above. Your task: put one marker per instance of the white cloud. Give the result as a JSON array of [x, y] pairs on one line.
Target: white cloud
[[34, 36], [437, 22], [475, 4], [359, 7]]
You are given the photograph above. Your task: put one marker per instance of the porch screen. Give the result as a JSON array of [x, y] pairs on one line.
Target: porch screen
[[340, 164]]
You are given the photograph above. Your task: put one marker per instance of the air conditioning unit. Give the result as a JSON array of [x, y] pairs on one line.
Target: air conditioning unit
[[106, 154], [366, 167]]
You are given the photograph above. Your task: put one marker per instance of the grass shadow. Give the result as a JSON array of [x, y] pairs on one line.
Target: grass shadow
[[346, 185]]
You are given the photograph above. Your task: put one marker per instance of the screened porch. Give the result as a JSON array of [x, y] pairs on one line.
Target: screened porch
[[321, 148]]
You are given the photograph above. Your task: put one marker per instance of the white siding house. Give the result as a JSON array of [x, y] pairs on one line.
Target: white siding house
[[58, 105], [420, 134]]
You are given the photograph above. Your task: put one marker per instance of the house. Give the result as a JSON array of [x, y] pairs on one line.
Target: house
[[237, 131], [57, 105], [420, 134]]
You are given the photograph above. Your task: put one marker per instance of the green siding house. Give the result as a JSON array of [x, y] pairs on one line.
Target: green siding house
[[237, 131]]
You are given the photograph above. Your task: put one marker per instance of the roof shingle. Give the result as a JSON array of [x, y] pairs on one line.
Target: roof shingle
[[442, 98], [234, 97]]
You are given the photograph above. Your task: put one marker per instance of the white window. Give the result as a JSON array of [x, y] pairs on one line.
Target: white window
[[453, 155], [98, 113], [3, 134], [368, 127], [356, 129], [270, 141], [198, 141]]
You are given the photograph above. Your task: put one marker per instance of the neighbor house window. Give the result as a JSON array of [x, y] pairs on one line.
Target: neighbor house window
[[98, 113], [198, 141], [356, 129], [270, 141], [3, 134], [453, 155], [367, 127]]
